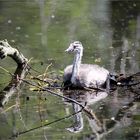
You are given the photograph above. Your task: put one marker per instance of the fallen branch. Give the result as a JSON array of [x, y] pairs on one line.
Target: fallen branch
[[7, 50], [20, 72]]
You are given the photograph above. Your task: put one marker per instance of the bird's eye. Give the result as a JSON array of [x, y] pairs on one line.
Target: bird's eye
[[74, 46]]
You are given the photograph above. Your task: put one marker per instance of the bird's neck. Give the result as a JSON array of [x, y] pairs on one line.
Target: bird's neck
[[76, 66]]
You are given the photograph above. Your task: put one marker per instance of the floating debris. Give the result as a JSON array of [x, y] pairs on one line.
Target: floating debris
[[9, 21], [18, 28], [52, 16]]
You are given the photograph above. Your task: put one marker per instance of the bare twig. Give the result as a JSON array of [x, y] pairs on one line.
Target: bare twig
[[89, 112]]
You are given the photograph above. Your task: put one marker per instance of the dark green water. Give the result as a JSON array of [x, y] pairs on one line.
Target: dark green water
[[42, 30]]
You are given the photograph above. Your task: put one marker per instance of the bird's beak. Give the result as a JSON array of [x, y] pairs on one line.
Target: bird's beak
[[69, 49]]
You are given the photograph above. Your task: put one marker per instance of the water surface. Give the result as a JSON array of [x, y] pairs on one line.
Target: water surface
[[42, 30]]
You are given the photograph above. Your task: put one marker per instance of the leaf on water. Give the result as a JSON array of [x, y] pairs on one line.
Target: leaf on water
[[61, 71], [98, 60], [39, 83], [46, 121], [33, 88]]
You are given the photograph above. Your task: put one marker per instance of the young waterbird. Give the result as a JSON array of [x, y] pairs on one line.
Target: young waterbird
[[83, 75]]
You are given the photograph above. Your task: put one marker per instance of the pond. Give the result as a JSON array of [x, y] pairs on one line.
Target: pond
[[42, 30]]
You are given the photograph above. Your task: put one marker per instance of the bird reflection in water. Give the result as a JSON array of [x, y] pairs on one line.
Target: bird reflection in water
[[85, 98]]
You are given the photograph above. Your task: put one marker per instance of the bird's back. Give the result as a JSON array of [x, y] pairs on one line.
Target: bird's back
[[89, 75]]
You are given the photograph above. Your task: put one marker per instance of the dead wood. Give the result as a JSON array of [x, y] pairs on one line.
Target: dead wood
[[20, 72]]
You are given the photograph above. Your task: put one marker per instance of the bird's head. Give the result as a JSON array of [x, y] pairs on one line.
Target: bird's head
[[76, 46]]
